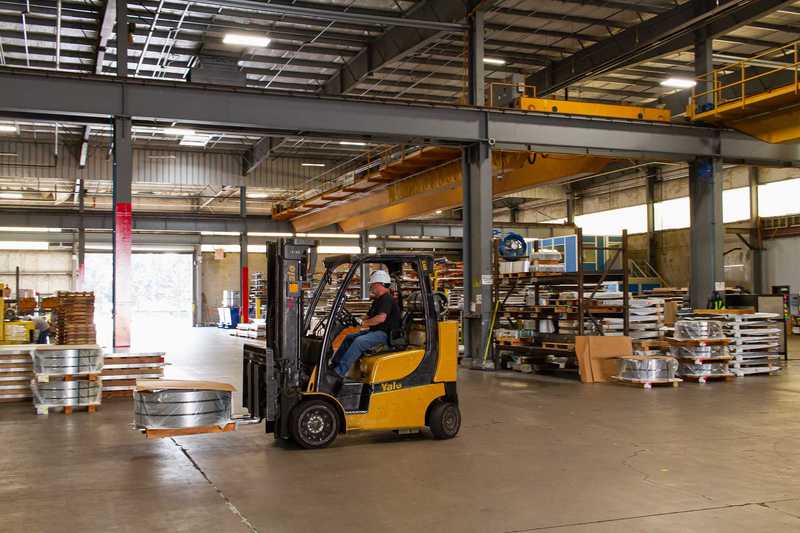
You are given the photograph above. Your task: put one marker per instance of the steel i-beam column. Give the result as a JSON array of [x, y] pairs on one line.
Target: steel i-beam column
[[653, 181], [363, 244], [243, 267], [755, 233], [197, 286], [81, 238], [122, 296], [707, 231], [122, 37], [475, 66], [570, 204]]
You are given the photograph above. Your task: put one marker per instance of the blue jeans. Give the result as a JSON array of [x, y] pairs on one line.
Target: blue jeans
[[354, 346]]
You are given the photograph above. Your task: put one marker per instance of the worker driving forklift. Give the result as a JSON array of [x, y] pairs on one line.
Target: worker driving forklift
[[402, 376]]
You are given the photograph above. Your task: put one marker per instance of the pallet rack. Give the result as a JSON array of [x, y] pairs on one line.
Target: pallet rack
[[555, 352]]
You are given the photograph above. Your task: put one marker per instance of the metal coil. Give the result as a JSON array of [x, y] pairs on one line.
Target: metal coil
[[719, 368], [175, 409], [694, 352], [647, 368], [63, 393], [698, 329], [68, 361]]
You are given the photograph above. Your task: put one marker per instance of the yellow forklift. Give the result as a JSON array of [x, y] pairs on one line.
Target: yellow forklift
[[408, 385]]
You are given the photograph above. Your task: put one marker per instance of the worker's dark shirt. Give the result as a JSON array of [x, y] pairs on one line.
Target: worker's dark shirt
[[385, 304]]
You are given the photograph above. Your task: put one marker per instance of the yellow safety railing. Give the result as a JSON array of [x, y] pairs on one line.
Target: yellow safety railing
[[718, 88]]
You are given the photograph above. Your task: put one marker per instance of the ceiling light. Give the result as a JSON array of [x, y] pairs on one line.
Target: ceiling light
[[242, 39], [170, 157], [195, 140], [494, 61], [178, 131], [438, 211], [258, 195], [8, 128], [352, 143], [678, 83], [312, 164], [11, 195], [24, 245]]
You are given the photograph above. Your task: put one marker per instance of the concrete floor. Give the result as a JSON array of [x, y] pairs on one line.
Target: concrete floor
[[533, 454]]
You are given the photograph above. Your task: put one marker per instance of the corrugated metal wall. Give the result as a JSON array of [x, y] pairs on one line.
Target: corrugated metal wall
[[38, 161]]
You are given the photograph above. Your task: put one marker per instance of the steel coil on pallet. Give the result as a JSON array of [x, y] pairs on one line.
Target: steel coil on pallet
[[654, 368], [699, 352], [64, 393], [698, 329], [716, 368], [67, 361], [174, 409]]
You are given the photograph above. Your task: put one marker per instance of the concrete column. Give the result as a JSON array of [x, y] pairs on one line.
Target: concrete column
[[570, 204], [653, 182], [244, 271], [755, 233], [477, 185], [81, 251], [363, 244], [122, 295], [707, 231], [122, 37]]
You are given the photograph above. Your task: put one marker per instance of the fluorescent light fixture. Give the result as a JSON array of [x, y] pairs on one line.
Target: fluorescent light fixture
[[331, 235], [312, 164], [24, 245], [21, 229], [243, 39], [678, 83], [258, 195], [494, 61], [231, 233], [161, 157], [9, 154], [8, 128], [178, 131], [352, 143], [438, 211], [195, 140], [11, 195], [268, 234]]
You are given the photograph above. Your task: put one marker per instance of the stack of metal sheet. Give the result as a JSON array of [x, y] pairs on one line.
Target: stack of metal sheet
[[638, 368], [63, 360], [66, 393], [698, 329]]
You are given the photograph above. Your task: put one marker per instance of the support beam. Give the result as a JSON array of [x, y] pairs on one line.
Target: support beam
[[707, 231], [663, 34], [81, 236], [756, 239], [106, 29], [363, 244], [92, 99], [571, 201], [475, 65], [653, 188], [703, 54], [396, 43], [244, 270], [258, 153], [122, 37], [122, 295], [197, 286]]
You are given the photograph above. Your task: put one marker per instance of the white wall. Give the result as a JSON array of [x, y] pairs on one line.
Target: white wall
[[42, 271], [781, 261]]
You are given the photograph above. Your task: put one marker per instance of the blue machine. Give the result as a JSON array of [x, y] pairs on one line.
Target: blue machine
[[512, 246]]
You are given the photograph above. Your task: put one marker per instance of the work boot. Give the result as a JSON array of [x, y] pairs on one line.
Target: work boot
[[331, 382]]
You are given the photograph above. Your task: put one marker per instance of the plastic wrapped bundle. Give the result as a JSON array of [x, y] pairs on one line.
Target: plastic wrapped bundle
[[657, 368], [66, 393], [60, 361], [688, 369], [699, 352], [546, 254], [176, 404], [698, 329]]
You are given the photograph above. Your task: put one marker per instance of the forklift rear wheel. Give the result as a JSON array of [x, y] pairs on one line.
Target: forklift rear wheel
[[314, 424], [445, 420]]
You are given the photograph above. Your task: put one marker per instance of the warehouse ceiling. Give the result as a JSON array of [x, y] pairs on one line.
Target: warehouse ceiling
[[319, 47]]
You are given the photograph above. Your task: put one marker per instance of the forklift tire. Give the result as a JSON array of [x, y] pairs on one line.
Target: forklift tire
[[444, 420], [314, 424]]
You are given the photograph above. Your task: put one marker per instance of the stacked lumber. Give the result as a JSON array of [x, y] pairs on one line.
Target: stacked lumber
[[74, 318], [121, 370], [16, 371]]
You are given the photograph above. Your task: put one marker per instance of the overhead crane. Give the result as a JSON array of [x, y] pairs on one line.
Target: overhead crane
[[759, 96]]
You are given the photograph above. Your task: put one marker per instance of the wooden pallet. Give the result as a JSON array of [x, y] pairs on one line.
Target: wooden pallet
[[705, 379], [698, 342], [67, 409], [674, 382], [513, 342], [182, 432], [558, 345], [86, 376]]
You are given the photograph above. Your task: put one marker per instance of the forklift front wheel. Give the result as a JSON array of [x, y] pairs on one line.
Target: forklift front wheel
[[444, 420], [314, 424]]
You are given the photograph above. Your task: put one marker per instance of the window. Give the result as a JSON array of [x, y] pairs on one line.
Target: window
[[736, 204], [779, 198], [672, 214], [612, 222]]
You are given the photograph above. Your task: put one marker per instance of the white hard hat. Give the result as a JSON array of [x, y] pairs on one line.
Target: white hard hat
[[379, 276]]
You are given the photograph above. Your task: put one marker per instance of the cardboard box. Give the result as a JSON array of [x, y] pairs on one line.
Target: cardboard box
[[598, 356], [670, 313]]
